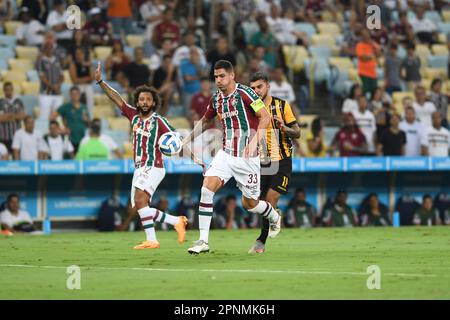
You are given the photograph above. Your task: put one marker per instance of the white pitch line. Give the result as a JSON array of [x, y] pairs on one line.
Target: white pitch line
[[224, 270]]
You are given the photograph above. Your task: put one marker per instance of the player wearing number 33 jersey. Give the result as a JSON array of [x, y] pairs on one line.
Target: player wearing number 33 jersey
[[147, 127], [244, 120]]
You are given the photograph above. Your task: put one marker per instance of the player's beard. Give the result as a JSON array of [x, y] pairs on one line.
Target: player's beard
[[144, 112]]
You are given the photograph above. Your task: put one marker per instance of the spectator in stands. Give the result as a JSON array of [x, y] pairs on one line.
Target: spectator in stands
[[98, 146], [116, 62], [316, 140], [79, 40], [28, 144], [96, 29], [56, 145], [299, 212], [196, 28], [187, 207], [265, 38], [11, 115], [366, 122], [4, 154], [349, 139], [37, 9], [157, 56], [82, 75], [167, 29], [367, 51], [413, 130], [393, 140], [440, 100], [151, 12], [220, 52], [392, 68], [406, 206], [411, 68], [6, 12], [380, 106], [435, 139], [137, 72], [52, 77], [351, 38], [191, 72], [375, 214], [236, 218], [426, 215], [59, 51], [31, 32], [120, 15], [424, 29], [340, 214], [183, 52], [442, 204], [402, 31], [164, 79], [281, 88], [13, 218], [257, 62], [57, 22], [200, 100], [424, 109], [75, 116], [351, 102]]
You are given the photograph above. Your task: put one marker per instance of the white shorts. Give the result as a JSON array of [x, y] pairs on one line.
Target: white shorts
[[246, 172], [146, 179]]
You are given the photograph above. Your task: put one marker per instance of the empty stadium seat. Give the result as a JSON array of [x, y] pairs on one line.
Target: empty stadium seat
[[22, 65], [30, 102], [119, 124], [102, 52], [30, 87], [3, 65], [305, 27], [32, 75], [103, 111], [440, 61], [67, 78], [397, 97], [14, 76], [101, 99], [328, 28], [433, 15], [7, 53], [11, 27], [9, 41], [294, 57], [444, 27], [30, 53], [446, 15], [323, 52], [439, 49], [323, 39], [431, 73], [134, 40]]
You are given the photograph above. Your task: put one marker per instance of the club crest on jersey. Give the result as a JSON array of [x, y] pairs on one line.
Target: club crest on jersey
[[233, 101]]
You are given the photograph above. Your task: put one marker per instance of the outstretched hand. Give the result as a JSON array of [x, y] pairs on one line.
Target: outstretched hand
[[98, 72]]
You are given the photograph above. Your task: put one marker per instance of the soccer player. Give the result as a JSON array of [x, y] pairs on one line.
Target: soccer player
[[243, 117], [149, 171], [278, 154]]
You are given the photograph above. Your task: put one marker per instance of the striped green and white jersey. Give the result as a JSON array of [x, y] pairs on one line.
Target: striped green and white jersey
[[146, 134], [237, 113]]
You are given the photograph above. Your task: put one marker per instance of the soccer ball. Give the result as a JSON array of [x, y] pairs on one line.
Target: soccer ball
[[169, 143]]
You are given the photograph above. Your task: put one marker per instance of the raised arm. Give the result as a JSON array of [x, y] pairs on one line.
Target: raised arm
[[112, 94]]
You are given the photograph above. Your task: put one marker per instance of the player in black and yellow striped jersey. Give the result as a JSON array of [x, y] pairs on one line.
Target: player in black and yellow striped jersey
[[277, 153]]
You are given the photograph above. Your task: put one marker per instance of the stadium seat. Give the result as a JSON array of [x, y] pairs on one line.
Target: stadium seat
[[431, 73], [102, 52], [11, 27], [320, 52], [7, 53], [433, 15], [128, 152], [30, 87], [32, 75], [134, 40], [440, 61], [180, 123], [444, 27], [342, 63], [30, 53], [317, 69], [305, 27], [103, 111], [14, 76], [101, 99], [22, 65], [331, 28], [67, 78], [294, 57], [442, 38], [3, 65], [323, 39], [30, 102], [397, 97], [439, 49], [446, 15], [8, 41], [119, 124]]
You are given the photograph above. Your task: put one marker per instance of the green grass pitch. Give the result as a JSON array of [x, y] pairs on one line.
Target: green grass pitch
[[299, 264]]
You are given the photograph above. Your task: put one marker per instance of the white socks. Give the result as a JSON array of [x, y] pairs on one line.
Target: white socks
[[149, 216], [205, 212], [266, 210]]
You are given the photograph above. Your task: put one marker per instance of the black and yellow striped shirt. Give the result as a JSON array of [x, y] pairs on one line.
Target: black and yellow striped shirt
[[279, 145]]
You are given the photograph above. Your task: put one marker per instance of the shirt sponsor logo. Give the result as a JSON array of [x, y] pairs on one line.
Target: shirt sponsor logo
[[230, 114]]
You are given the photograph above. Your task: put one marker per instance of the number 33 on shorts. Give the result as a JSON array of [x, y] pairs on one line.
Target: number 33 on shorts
[[252, 178]]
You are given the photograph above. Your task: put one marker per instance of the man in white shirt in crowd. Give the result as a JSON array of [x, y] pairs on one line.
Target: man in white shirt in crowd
[[184, 52], [56, 21], [282, 89], [56, 145], [424, 28], [28, 144], [15, 219], [436, 139], [366, 122], [4, 155], [31, 32], [414, 131], [424, 109], [95, 132]]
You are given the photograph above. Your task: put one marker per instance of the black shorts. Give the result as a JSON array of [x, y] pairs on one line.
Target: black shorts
[[279, 181]]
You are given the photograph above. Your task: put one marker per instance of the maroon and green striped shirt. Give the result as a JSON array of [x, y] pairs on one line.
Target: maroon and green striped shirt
[[146, 134], [237, 115]]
